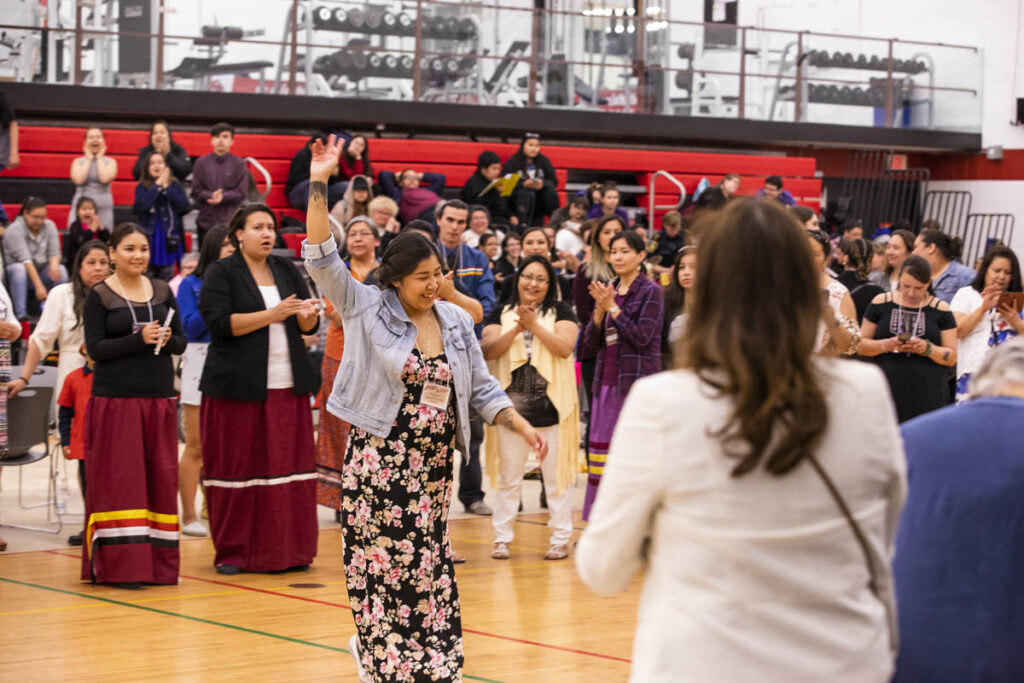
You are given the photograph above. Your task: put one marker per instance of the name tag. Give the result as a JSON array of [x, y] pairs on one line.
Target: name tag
[[435, 395], [611, 336]]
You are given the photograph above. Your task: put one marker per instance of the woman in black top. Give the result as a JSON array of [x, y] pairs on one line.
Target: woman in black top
[[857, 255], [505, 266], [259, 466], [174, 155], [87, 226], [131, 434], [536, 194], [912, 336]]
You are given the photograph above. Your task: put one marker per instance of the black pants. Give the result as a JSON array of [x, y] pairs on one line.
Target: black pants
[[470, 475], [532, 205]]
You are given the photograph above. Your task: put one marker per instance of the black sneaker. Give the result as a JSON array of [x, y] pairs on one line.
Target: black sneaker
[[75, 540]]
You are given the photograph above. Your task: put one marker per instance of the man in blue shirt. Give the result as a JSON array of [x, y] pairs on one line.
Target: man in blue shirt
[[473, 278], [959, 565]]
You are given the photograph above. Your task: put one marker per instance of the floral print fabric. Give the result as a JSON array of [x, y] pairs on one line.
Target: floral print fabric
[[396, 493]]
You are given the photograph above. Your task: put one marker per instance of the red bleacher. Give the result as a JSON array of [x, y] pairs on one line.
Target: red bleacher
[[47, 152]]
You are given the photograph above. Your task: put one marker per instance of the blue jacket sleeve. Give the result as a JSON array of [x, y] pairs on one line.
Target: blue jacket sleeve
[[351, 298], [188, 304], [65, 416], [145, 199], [435, 182], [389, 186], [179, 200]]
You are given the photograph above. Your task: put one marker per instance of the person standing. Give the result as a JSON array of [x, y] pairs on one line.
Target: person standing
[[220, 181], [911, 334], [131, 433], [215, 246], [422, 357], [160, 202], [666, 244], [31, 247], [943, 253], [10, 332], [161, 142], [762, 506], [959, 563], [92, 174], [361, 241], [259, 464], [897, 249], [528, 346], [472, 279], [536, 195], [624, 332]]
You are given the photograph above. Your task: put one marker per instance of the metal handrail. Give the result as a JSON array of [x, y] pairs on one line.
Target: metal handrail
[[266, 175], [666, 207]]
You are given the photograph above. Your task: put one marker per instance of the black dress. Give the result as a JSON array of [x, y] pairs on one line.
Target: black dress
[[918, 384], [396, 493]]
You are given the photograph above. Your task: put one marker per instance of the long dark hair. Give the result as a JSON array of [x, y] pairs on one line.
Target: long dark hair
[[170, 135], [858, 254], [951, 248], [634, 241], [145, 177], [519, 159], [675, 295], [999, 251], [209, 250], [402, 255], [596, 267], [122, 231], [760, 354], [351, 160], [82, 201], [550, 297], [78, 287]]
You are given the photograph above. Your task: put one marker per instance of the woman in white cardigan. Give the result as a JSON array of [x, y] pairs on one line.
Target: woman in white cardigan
[[753, 570]]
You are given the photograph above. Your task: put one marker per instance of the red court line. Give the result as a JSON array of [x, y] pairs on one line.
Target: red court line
[[340, 605]]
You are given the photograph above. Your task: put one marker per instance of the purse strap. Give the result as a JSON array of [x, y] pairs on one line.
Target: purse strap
[[862, 541]]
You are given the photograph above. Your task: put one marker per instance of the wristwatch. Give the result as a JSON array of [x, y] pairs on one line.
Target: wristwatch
[[614, 311]]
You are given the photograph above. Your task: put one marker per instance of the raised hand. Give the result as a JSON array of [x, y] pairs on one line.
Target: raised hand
[[526, 317], [446, 288], [288, 307], [324, 158]]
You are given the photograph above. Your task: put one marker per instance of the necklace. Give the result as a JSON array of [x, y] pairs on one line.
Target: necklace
[[136, 326], [438, 328], [902, 326]]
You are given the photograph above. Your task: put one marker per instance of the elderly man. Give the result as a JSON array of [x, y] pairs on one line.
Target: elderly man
[[959, 566]]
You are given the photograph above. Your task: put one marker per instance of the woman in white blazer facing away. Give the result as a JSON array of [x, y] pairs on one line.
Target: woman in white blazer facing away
[[761, 499]]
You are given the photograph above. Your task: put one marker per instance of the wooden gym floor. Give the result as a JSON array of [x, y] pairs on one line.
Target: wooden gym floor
[[523, 619]]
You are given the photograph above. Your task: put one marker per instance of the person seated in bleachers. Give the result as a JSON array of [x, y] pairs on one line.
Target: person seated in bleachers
[[296, 188], [355, 159], [160, 202], [220, 183], [188, 266], [536, 196], [92, 174], [174, 155], [32, 251], [568, 222], [609, 204], [663, 246], [488, 168], [414, 200], [383, 211], [773, 190], [355, 202], [479, 224], [729, 185], [86, 227], [574, 212]]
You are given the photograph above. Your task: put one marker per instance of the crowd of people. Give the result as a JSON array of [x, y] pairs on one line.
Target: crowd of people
[[514, 323]]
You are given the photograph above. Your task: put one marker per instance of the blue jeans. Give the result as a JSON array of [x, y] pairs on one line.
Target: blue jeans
[[17, 278], [299, 196]]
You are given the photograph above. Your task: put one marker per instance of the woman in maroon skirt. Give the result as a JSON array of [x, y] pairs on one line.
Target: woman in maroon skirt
[[259, 464], [131, 432]]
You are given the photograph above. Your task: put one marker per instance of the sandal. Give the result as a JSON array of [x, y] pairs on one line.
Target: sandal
[[557, 552], [500, 551], [457, 558]]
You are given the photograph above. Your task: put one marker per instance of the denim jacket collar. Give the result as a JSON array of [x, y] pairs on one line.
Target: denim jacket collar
[[397, 320]]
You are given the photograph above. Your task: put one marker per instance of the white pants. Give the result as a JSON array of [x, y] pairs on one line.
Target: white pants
[[512, 465]]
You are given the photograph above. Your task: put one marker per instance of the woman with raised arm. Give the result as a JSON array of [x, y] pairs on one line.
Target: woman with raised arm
[[421, 358]]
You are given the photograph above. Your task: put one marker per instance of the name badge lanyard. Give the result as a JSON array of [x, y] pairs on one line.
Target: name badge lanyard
[[136, 325], [434, 394]]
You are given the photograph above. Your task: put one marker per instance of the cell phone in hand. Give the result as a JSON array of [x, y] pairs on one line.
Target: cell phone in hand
[[904, 337], [1014, 300]]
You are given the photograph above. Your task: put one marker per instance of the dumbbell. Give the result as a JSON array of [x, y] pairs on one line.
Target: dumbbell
[[921, 66], [325, 65], [876, 63], [846, 95], [390, 66], [833, 94], [684, 80], [405, 64], [814, 92], [356, 19], [389, 22], [340, 19], [466, 29], [860, 97], [323, 18], [862, 61], [876, 96], [406, 26], [835, 59], [375, 65], [451, 28], [343, 61], [360, 61], [687, 50], [435, 27], [374, 18]]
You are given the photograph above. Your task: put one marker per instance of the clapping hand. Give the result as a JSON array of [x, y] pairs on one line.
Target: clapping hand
[[289, 306], [310, 308], [603, 294], [526, 317], [324, 158], [217, 197]]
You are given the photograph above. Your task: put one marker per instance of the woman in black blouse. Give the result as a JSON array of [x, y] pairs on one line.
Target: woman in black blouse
[[259, 464], [536, 195], [131, 437], [912, 336]]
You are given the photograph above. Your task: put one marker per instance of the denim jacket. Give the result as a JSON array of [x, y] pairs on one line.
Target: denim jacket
[[379, 338]]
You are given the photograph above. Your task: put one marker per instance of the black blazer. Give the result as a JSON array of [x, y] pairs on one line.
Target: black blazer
[[236, 367]]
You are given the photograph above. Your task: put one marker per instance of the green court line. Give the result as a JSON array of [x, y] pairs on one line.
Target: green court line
[[202, 621]]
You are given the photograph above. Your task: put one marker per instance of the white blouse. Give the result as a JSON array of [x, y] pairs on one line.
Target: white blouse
[[755, 578], [58, 325], [279, 360]]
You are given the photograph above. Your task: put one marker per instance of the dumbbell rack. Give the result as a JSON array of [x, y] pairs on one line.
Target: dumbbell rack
[[873, 96], [359, 60]]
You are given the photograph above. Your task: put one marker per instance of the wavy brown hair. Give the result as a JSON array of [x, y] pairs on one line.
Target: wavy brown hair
[[758, 352]]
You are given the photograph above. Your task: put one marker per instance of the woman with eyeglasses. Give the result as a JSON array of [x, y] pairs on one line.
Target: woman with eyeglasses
[[528, 346], [911, 334], [983, 319], [624, 332]]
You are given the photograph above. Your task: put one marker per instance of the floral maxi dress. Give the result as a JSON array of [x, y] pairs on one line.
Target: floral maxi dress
[[398, 561]]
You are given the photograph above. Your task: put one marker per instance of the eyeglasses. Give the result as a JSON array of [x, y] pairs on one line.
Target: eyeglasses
[[537, 279]]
